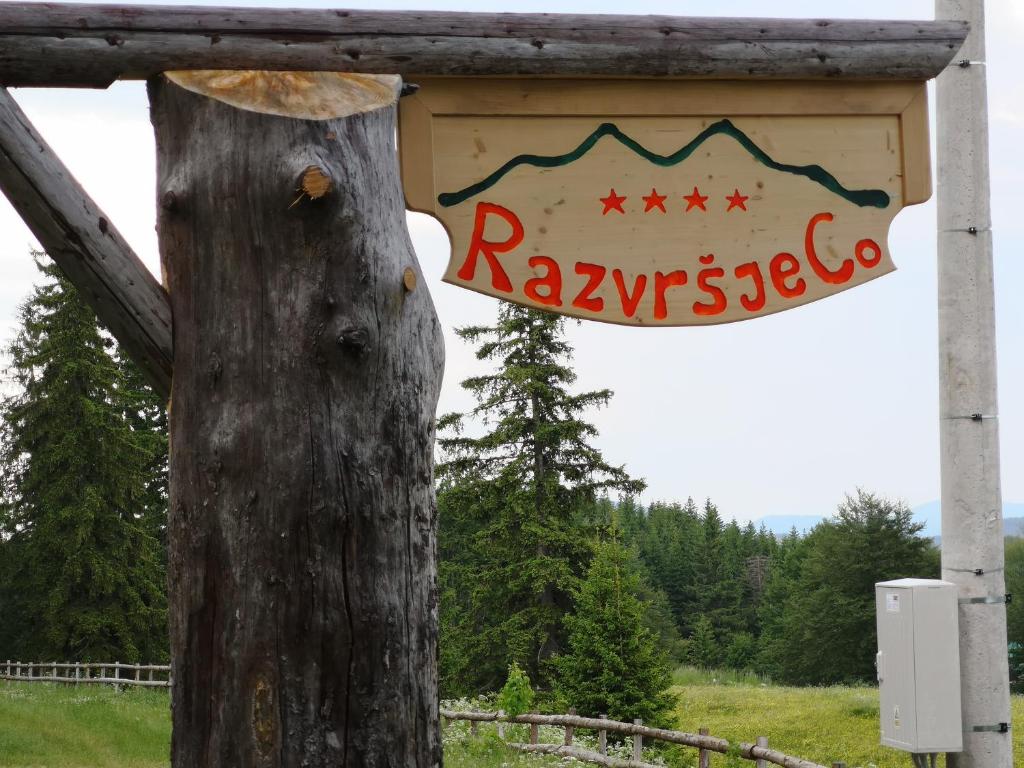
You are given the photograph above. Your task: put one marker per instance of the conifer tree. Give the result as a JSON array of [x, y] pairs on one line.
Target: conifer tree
[[827, 626], [702, 648], [613, 665], [513, 499], [145, 414], [780, 588], [82, 571]]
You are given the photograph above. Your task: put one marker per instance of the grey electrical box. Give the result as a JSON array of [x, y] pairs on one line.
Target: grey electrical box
[[919, 665]]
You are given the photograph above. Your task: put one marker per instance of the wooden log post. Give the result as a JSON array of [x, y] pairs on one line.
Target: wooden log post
[[76, 44], [602, 738], [534, 733], [703, 755], [303, 602], [762, 741], [638, 741], [569, 729]]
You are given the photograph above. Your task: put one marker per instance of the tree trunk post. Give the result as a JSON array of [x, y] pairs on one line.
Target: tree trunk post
[[602, 738], [703, 755], [638, 742], [303, 599], [534, 733], [762, 741], [569, 730], [473, 726]]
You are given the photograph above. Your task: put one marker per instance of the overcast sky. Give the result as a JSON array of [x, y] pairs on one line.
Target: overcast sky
[[778, 415]]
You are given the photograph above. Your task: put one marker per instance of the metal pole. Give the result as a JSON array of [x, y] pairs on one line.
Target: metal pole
[[972, 519]]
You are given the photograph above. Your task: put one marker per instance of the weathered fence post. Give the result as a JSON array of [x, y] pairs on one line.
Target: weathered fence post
[[473, 728], [762, 741], [307, 367], [534, 733], [602, 738], [638, 741], [501, 725], [53, 671], [569, 729], [703, 755]]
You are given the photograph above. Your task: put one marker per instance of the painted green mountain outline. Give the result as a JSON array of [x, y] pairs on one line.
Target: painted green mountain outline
[[876, 198]]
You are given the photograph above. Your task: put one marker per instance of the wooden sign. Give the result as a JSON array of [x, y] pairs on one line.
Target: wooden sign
[[664, 202]]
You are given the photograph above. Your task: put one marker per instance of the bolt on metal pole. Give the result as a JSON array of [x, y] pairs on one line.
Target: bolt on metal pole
[[972, 516]]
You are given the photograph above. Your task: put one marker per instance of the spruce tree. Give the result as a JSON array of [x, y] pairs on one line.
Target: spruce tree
[[517, 481], [82, 571], [613, 665], [702, 649], [828, 622], [781, 587]]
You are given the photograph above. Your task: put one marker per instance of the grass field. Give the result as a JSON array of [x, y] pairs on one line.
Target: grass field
[[43, 726]]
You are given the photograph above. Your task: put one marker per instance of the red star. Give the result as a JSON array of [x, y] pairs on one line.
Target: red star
[[612, 203], [654, 200], [696, 200], [736, 200]]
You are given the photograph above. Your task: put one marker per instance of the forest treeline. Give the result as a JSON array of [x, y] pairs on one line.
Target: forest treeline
[[798, 609], [525, 512], [548, 563]]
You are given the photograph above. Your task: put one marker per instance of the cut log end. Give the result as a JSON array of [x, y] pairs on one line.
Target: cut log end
[[304, 95]]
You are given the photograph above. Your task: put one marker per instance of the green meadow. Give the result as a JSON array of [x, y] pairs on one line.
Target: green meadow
[[47, 726]]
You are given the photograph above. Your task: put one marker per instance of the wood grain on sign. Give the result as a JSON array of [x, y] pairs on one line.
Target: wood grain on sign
[[664, 203]]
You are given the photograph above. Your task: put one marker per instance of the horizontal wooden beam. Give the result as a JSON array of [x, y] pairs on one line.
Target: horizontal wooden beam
[[48, 44], [79, 237]]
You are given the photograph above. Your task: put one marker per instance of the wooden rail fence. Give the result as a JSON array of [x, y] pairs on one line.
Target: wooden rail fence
[[109, 673], [758, 751]]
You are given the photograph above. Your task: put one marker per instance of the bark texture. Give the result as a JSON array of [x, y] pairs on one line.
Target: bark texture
[[306, 374], [92, 45]]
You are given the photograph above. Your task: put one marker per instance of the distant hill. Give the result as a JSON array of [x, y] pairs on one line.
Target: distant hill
[[929, 514]]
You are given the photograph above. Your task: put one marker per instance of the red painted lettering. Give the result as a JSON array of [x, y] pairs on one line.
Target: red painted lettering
[[477, 245], [753, 271], [719, 302], [785, 265], [595, 274], [865, 245], [834, 277], [552, 282], [661, 284], [629, 301]]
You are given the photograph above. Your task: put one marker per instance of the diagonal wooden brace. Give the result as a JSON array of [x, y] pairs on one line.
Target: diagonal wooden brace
[[79, 237]]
